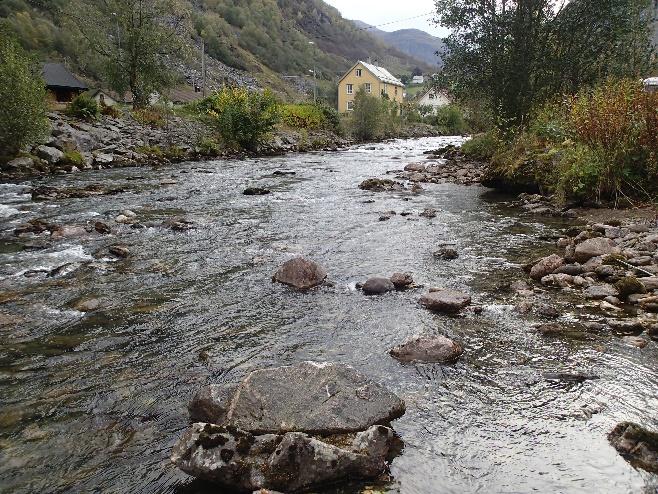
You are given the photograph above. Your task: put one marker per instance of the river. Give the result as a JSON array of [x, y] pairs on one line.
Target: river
[[93, 402]]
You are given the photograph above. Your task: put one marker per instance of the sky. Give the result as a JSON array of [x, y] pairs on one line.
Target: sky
[[376, 12]]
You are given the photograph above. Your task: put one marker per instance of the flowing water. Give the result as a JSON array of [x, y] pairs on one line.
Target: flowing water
[[93, 402]]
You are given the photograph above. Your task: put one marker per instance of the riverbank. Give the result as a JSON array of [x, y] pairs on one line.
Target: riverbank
[[121, 142]]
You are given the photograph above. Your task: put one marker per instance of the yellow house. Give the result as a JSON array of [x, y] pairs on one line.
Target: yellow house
[[375, 80]]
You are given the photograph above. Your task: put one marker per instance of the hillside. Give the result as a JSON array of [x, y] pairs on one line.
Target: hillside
[[413, 42], [261, 38]]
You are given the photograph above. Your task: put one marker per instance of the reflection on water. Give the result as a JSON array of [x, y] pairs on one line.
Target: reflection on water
[[93, 401]]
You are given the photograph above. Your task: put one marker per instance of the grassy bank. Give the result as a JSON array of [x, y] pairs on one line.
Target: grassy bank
[[598, 146]]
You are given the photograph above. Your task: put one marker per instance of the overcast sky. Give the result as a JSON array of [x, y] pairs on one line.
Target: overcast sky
[[376, 12]]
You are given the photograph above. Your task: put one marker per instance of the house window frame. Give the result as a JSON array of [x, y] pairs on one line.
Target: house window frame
[[368, 87], [359, 72], [396, 90], [350, 105], [431, 96], [349, 88]]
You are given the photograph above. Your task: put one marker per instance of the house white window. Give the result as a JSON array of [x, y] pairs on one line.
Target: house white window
[[350, 89], [350, 105], [431, 96], [368, 87], [358, 72]]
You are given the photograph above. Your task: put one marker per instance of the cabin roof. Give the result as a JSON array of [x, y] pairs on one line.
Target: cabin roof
[[57, 76]]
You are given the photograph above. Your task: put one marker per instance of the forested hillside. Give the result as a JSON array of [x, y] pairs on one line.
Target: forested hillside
[[261, 37]]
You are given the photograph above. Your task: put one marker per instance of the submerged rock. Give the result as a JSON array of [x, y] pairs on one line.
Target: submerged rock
[[600, 292], [378, 286], [256, 191], [437, 349], [300, 273], [636, 341], [448, 301], [637, 445], [447, 253], [119, 251]]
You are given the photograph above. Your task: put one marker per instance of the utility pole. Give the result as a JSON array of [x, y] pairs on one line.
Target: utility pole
[[203, 65], [315, 82]]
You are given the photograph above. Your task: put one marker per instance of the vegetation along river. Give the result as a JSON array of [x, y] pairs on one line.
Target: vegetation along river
[[94, 401]]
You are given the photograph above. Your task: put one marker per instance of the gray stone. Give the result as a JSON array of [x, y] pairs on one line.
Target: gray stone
[[308, 397], [210, 404], [378, 286], [438, 349], [448, 301], [402, 280], [415, 167], [50, 154], [635, 341], [291, 462], [600, 292], [558, 280], [570, 269], [637, 445], [300, 273], [546, 266], [20, 164], [595, 247]]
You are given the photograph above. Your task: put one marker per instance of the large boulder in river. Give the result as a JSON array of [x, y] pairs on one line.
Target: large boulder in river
[[290, 429], [637, 445], [291, 462], [437, 349], [448, 301], [595, 247], [378, 286], [300, 273], [308, 397], [546, 266], [402, 281]]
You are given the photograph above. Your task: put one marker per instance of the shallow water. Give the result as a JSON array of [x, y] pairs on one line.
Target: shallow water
[[94, 402]]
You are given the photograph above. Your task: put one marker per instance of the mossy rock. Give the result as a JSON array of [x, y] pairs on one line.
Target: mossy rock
[[629, 285]]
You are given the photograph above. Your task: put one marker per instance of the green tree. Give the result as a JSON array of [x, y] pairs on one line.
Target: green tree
[[133, 42], [515, 54], [22, 92]]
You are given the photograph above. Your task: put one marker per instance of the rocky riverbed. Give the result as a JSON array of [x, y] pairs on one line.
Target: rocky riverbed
[[128, 295]]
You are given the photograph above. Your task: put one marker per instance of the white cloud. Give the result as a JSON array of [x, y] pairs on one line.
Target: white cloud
[[377, 12]]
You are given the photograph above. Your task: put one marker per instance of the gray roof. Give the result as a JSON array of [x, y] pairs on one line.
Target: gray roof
[[58, 76]]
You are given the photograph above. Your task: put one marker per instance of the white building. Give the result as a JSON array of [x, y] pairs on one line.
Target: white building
[[434, 98], [418, 79]]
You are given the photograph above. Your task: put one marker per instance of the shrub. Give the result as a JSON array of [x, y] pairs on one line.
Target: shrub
[[73, 158], [483, 146], [208, 147], [151, 116], [111, 111], [304, 116], [83, 107], [449, 120], [242, 118], [23, 109]]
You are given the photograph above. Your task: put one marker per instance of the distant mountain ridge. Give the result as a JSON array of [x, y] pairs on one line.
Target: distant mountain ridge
[[413, 42]]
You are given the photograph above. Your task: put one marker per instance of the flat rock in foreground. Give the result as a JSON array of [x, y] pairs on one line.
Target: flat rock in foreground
[[636, 444], [300, 273], [290, 462], [447, 301], [435, 349], [312, 398]]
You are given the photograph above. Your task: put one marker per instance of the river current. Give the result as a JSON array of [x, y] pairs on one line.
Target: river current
[[93, 402]]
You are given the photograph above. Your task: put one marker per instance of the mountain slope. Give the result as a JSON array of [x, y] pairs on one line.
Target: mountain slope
[[414, 42], [263, 38]]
